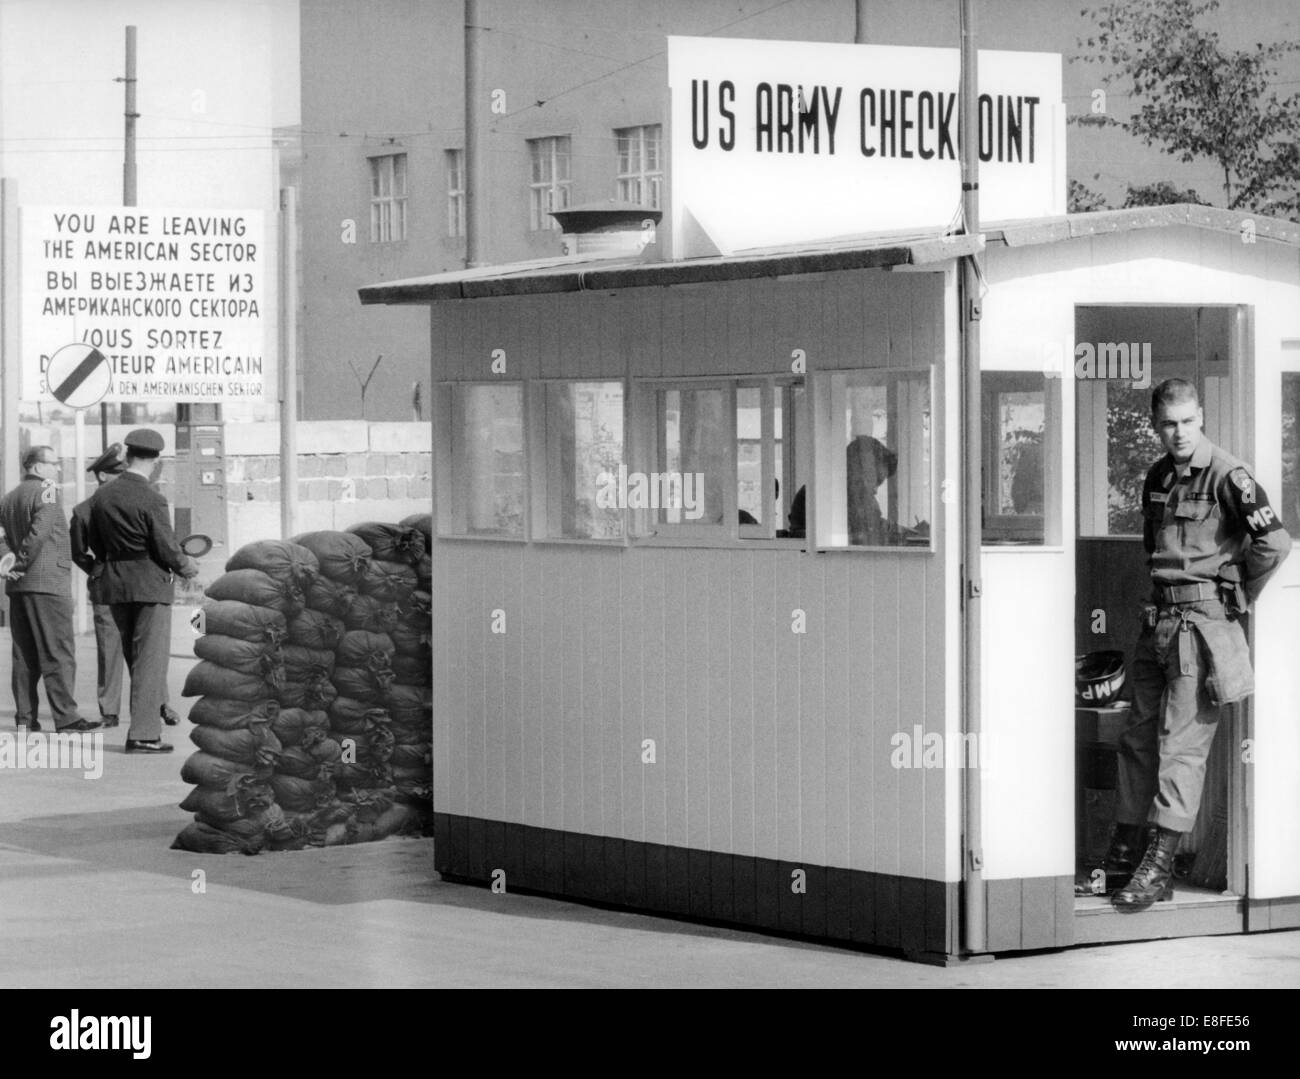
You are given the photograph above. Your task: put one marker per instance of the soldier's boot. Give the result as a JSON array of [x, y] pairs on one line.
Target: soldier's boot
[[1153, 880], [1127, 844]]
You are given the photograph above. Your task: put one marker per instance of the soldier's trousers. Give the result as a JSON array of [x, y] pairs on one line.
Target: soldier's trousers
[[1164, 749], [43, 649], [146, 632], [108, 661]]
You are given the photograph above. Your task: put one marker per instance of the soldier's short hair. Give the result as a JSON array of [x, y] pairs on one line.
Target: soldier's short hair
[[33, 456], [1173, 391]]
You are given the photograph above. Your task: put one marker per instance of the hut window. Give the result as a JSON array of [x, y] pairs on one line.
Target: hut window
[[482, 488], [1290, 497], [581, 442], [1021, 440], [768, 415], [550, 184], [874, 459]]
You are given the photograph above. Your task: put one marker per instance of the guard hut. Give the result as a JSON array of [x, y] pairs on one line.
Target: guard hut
[[698, 639]]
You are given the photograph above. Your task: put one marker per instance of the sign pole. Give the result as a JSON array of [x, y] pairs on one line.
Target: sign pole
[[79, 496], [10, 391]]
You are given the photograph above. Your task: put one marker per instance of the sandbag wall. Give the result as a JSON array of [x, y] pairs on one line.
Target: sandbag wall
[[314, 718]]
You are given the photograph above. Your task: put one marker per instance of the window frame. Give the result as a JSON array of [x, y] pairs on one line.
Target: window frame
[[1002, 530], [545, 481], [551, 192], [827, 517], [451, 483], [389, 207], [645, 178], [454, 163]]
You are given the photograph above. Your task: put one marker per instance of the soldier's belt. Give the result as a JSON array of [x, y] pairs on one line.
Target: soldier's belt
[[134, 556], [1167, 594]]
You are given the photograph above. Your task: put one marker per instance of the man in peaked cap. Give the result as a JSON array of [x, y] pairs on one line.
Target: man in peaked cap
[[130, 529]]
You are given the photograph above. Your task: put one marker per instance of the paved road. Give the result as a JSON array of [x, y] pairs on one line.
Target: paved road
[[92, 897]]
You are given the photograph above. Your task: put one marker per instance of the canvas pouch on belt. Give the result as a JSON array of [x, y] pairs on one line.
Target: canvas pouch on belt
[[1229, 677]]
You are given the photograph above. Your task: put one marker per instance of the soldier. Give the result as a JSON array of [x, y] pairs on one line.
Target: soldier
[[39, 586], [129, 527], [1214, 541]]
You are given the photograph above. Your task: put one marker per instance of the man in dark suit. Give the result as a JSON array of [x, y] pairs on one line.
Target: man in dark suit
[[129, 526], [39, 586]]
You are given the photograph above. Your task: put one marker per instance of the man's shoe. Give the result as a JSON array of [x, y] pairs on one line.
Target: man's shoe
[[1127, 844], [169, 715], [79, 726], [1154, 878], [111, 721], [138, 745], [32, 725]]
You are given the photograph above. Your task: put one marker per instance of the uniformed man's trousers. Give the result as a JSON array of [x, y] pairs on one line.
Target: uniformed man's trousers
[[108, 661], [43, 649], [146, 633], [1164, 749]]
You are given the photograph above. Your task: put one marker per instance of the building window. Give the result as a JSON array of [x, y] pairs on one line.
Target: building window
[[768, 428], [481, 488], [388, 198], [640, 165], [1021, 448], [550, 185], [455, 192], [582, 488], [874, 437]]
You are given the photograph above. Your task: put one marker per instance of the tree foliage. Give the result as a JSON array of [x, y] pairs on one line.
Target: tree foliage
[[1196, 99]]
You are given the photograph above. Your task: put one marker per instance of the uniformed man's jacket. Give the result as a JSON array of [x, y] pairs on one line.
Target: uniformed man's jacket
[[1216, 515], [83, 554], [37, 532], [130, 529]]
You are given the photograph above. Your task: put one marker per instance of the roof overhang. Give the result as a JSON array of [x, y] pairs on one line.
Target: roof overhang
[[582, 273]]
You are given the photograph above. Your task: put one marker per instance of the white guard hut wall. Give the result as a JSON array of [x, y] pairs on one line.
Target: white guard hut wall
[[760, 730]]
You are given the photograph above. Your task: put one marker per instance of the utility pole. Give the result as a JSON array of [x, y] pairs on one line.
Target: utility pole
[[972, 488], [473, 234], [127, 412], [860, 21]]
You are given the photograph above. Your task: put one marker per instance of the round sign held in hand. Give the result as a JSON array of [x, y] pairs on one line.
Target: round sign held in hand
[[197, 545], [79, 375]]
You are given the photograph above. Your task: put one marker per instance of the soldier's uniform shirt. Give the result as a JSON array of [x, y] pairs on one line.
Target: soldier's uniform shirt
[[1214, 515], [1196, 525], [130, 529]]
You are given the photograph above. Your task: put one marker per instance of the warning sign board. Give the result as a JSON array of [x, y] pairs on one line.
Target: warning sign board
[[79, 375], [174, 300]]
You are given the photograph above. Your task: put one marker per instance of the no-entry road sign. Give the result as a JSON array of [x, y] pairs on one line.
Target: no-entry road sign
[[79, 375]]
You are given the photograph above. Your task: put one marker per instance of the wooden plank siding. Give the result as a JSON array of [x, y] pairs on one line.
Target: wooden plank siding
[[769, 744]]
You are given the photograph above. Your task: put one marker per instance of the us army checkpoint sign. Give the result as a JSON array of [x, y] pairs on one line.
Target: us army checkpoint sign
[[174, 299], [79, 375], [780, 142]]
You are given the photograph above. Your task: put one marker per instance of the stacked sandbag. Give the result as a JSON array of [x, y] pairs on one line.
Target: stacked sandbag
[[402, 550], [249, 681]]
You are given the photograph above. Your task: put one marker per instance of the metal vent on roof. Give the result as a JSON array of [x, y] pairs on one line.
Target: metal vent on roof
[[610, 228]]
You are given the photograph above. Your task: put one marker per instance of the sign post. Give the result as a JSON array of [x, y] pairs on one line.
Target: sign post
[[79, 376]]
